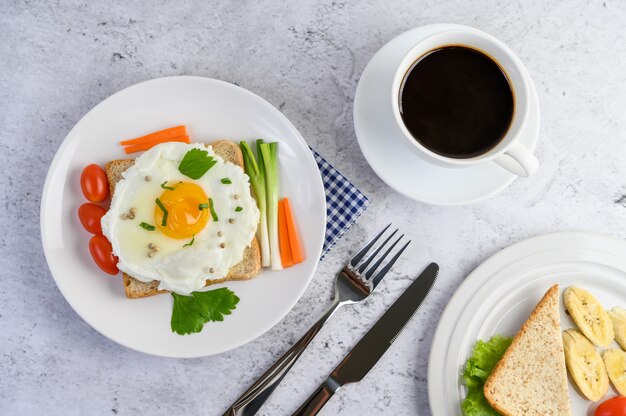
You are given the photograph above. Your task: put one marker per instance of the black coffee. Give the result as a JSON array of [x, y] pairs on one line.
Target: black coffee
[[456, 101]]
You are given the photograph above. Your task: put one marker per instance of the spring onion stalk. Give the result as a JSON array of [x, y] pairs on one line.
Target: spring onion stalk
[[268, 154], [257, 180]]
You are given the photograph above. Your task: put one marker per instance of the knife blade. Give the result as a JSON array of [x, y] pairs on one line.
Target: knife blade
[[374, 343]]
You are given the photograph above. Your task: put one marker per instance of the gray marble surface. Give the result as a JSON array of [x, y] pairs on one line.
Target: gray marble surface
[[58, 59]]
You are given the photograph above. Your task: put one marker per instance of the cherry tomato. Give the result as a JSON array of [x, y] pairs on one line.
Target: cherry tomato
[[90, 215], [101, 251], [612, 407], [94, 183]]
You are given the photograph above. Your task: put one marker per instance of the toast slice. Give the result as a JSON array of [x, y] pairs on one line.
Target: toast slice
[[246, 269], [530, 379]]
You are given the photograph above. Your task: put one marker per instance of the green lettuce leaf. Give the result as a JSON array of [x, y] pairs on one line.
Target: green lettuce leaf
[[475, 404], [477, 369]]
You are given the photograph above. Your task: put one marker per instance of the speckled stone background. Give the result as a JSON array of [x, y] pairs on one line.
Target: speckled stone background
[[58, 59]]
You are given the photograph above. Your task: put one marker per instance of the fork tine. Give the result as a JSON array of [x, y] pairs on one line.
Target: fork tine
[[382, 258], [371, 257], [388, 266], [358, 256]]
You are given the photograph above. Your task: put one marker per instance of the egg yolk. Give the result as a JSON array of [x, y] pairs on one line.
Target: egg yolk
[[185, 218]]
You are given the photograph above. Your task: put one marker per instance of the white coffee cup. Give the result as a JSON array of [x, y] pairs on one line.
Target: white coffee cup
[[510, 152]]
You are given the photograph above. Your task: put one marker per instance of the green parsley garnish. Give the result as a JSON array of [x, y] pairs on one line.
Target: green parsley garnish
[[191, 242], [238, 209], [162, 207], [190, 313], [147, 226], [203, 206], [226, 181], [213, 214], [164, 186], [196, 163]]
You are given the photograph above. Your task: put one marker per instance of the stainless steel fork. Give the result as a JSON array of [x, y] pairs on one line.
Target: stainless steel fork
[[354, 283]]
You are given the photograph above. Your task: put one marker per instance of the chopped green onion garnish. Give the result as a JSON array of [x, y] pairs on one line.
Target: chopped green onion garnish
[[226, 181], [238, 209], [213, 214], [164, 186], [191, 242], [203, 206], [147, 226], [162, 207]]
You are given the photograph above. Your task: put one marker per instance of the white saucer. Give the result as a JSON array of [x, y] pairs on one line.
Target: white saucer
[[389, 155]]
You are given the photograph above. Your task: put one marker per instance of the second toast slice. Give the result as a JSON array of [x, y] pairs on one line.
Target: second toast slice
[[530, 379]]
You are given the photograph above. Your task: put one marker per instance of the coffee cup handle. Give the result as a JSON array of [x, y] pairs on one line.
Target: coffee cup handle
[[518, 160]]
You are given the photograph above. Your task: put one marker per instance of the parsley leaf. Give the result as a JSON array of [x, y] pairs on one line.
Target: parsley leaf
[[213, 214], [226, 181], [171, 188], [238, 209], [147, 226], [191, 242], [162, 207], [190, 313], [217, 302], [187, 315], [196, 163]]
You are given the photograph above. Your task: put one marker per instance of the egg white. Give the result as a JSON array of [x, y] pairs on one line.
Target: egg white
[[177, 268]]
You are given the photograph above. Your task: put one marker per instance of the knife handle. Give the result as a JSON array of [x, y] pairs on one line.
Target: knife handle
[[318, 399]]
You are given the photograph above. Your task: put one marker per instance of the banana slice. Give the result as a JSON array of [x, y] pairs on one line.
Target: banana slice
[[615, 362], [618, 316], [589, 315], [585, 365]]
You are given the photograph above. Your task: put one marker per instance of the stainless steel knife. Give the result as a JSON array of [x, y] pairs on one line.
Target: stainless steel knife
[[374, 343]]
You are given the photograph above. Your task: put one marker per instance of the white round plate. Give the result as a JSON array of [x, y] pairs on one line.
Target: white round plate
[[388, 153], [211, 110], [499, 295]]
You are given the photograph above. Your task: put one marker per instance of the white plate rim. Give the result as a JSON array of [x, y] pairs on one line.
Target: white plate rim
[[531, 133], [71, 138], [471, 285]]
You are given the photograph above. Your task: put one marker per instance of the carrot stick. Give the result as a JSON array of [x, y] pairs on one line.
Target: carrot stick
[[158, 136], [158, 141], [146, 146], [283, 236], [294, 240]]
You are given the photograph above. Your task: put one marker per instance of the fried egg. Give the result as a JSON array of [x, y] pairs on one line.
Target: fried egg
[[209, 221]]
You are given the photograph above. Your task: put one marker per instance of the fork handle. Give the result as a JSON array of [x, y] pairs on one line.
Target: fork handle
[[251, 401], [318, 399]]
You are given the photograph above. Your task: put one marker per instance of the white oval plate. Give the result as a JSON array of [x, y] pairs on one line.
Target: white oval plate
[[211, 110], [389, 155], [499, 295]]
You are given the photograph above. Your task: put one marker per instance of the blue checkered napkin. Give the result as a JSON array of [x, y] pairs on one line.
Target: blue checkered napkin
[[344, 203]]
